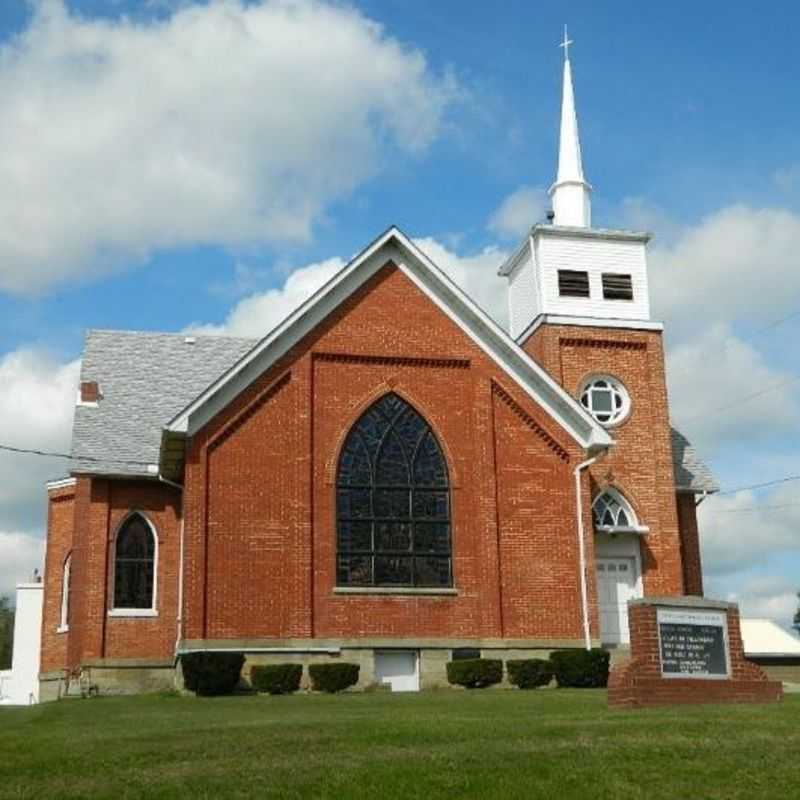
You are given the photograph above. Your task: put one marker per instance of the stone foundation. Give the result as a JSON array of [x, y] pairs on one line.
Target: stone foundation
[[139, 676]]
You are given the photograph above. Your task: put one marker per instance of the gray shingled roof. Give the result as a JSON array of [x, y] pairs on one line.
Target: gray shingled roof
[[145, 379], [691, 474], [148, 378]]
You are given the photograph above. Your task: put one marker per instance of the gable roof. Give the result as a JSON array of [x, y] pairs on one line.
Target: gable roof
[[145, 379], [148, 378], [395, 246], [691, 474]]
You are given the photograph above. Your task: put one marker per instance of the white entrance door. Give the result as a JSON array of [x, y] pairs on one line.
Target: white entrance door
[[616, 584], [398, 669]]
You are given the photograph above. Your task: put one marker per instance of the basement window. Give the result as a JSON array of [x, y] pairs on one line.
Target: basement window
[[617, 286], [573, 283], [465, 653]]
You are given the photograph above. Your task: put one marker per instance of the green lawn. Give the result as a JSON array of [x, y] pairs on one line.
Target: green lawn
[[483, 744]]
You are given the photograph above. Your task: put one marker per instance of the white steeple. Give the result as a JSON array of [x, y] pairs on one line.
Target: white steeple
[[570, 193]]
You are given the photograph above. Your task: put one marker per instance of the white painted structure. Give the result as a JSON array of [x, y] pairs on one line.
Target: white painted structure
[[618, 564], [571, 194], [763, 637], [398, 669], [20, 684], [570, 244]]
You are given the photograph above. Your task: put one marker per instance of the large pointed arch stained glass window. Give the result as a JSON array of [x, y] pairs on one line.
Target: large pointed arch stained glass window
[[393, 501]]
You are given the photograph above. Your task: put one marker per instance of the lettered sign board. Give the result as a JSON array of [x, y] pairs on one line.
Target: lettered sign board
[[693, 644]]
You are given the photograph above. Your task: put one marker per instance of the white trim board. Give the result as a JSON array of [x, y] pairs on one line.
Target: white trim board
[[588, 322], [394, 246], [60, 483]]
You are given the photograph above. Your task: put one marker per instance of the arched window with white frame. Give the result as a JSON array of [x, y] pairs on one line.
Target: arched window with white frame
[[135, 567], [63, 625], [614, 514]]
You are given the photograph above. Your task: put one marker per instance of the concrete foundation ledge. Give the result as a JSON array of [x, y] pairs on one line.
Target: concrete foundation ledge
[[109, 677]]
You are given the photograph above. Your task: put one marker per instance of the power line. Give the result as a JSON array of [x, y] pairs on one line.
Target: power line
[[93, 459], [777, 322], [744, 400], [786, 479], [753, 509], [48, 454]]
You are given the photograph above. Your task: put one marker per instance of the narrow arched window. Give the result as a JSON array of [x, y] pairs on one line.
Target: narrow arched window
[[135, 565], [393, 501], [612, 512], [65, 573]]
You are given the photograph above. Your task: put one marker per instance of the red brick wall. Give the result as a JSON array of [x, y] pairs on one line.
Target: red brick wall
[[640, 464], [690, 544], [260, 500], [146, 637], [99, 508], [60, 520]]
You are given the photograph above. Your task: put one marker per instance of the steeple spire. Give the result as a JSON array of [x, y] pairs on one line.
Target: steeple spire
[[570, 192]]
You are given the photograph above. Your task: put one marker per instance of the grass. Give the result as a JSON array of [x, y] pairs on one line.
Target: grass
[[483, 744]]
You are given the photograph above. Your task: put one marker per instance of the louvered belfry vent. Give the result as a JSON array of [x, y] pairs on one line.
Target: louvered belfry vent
[[617, 286], [573, 283]]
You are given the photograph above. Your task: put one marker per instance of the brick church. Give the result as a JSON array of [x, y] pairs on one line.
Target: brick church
[[387, 477]]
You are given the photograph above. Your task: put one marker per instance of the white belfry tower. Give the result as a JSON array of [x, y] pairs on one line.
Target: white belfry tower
[[567, 272], [570, 193]]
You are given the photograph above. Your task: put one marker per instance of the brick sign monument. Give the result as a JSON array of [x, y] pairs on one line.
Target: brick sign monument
[[687, 650]]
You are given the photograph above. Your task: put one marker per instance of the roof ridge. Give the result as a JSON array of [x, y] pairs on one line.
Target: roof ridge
[[169, 334]]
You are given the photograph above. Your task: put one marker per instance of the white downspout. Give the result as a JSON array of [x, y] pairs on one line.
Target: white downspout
[[582, 550], [179, 616], [179, 620]]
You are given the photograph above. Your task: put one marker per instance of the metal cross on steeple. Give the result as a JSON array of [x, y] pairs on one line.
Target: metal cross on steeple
[[566, 43]]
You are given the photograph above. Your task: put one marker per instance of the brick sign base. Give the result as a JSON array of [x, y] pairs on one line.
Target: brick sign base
[[639, 682]]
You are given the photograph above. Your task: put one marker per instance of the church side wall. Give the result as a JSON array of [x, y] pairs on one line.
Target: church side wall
[[260, 489], [60, 520], [690, 544], [640, 464], [95, 638]]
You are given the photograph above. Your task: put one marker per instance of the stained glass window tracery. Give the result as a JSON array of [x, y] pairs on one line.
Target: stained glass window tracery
[[134, 565], [611, 510], [393, 501]]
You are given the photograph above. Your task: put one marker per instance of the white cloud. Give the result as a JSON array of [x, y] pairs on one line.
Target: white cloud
[[720, 385], [519, 211], [745, 530], [228, 122], [36, 407], [739, 263], [476, 274], [767, 596], [20, 555], [258, 313]]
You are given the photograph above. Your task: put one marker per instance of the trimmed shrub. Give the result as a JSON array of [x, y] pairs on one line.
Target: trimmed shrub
[[211, 673], [582, 669], [529, 673], [276, 678], [475, 673], [333, 677]]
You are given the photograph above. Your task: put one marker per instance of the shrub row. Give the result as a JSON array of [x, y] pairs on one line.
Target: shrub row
[[211, 673], [276, 678], [571, 668], [219, 673]]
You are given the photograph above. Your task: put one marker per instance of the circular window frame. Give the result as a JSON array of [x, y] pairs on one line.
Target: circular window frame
[[617, 388]]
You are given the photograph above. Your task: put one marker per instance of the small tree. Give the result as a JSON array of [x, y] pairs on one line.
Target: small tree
[[6, 632], [796, 620]]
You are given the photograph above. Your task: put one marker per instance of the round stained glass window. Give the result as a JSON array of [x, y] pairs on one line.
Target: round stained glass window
[[606, 399]]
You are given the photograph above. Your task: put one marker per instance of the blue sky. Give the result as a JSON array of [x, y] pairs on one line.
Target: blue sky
[[444, 123]]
